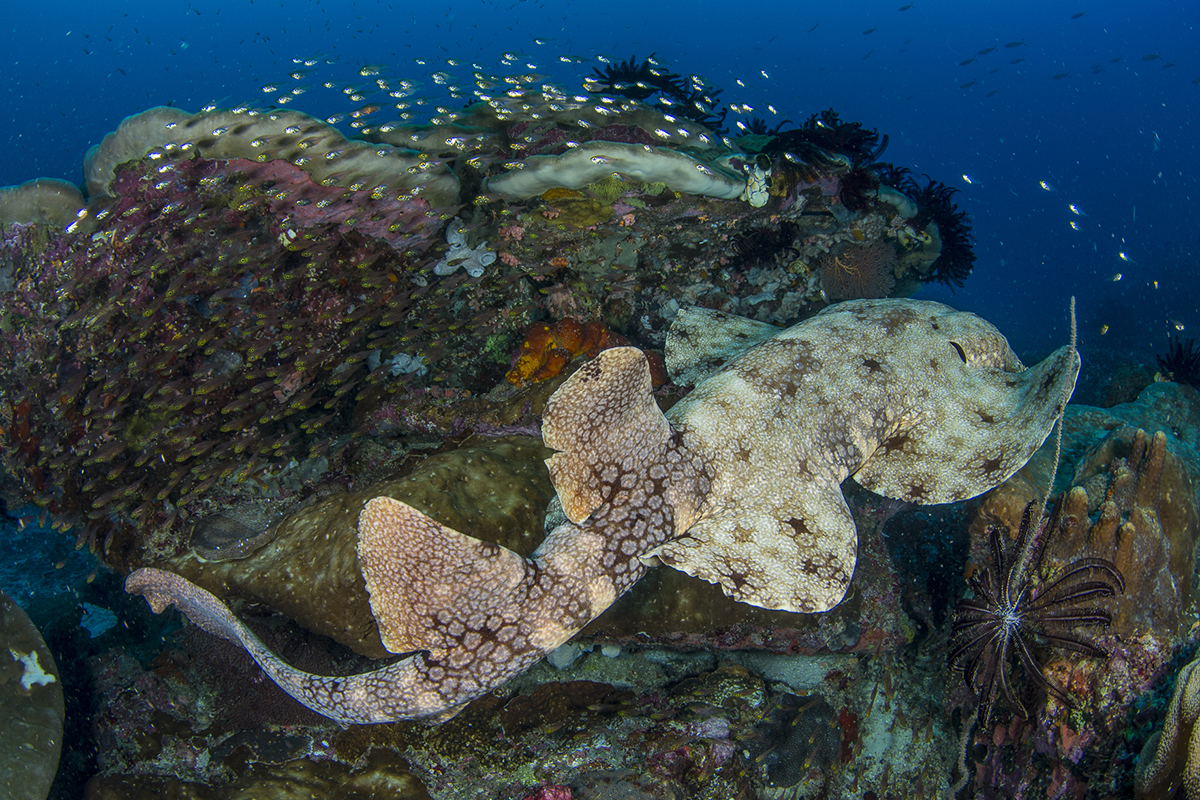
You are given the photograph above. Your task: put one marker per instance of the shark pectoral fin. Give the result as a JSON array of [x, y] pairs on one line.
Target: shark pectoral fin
[[793, 553], [423, 576], [983, 425], [702, 340], [602, 421]]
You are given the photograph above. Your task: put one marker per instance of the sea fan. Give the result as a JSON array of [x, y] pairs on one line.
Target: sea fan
[[858, 272]]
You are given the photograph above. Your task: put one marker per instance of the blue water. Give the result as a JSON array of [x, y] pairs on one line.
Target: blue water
[[1117, 138]]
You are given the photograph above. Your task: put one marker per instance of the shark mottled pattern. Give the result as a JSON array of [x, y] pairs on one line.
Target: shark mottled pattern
[[739, 484], [918, 401]]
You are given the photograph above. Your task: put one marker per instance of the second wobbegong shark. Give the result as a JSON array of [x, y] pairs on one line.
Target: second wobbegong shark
[[738, 484]]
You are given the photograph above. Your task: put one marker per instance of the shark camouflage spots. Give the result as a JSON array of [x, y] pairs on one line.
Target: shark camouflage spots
[[738, 484]]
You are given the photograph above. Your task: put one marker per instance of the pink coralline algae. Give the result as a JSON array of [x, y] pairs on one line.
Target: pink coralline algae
[[402, 221]]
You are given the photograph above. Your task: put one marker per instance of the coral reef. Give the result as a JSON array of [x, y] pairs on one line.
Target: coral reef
[[45, 201], [254, 318], [200, 336], [241, 133], [1127, 497], [590, 161], [1171, 758]]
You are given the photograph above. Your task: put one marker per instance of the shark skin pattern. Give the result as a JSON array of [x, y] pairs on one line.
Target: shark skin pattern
[[738, 484]]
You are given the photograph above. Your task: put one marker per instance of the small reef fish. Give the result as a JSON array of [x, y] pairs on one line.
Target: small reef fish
[[1076, 210], [1046, 185], [1075, 225], [1103, 329], [1116, 276]]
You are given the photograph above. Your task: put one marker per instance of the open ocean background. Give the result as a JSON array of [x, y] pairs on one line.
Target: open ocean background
[[1116, 136]]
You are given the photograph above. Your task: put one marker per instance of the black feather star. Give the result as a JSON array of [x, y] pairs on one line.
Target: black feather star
[[1012, 611], [1182, 361]]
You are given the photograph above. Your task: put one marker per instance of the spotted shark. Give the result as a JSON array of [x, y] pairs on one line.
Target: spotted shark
[[739, 484]]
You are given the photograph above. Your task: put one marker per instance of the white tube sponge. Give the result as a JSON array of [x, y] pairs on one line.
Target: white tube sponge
[[473, 260], [592, 161]]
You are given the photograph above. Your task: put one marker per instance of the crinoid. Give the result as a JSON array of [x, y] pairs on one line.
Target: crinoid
[[1012, 611], [649, 82], [765, 245], [1182, 361], [935, 204]]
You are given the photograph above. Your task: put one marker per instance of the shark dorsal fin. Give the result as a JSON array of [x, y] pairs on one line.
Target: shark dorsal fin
[[603, 420]]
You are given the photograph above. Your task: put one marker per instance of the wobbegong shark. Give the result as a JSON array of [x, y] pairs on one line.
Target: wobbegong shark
[[738, 484]]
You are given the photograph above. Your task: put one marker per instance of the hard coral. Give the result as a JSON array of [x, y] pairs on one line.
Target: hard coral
[[1139, 494], [1172, 757]]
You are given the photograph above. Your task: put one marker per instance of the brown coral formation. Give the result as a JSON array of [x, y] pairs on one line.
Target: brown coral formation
[[1141, 499], [1171, 757], [1130, 501], [548, 347], [857, 272]]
